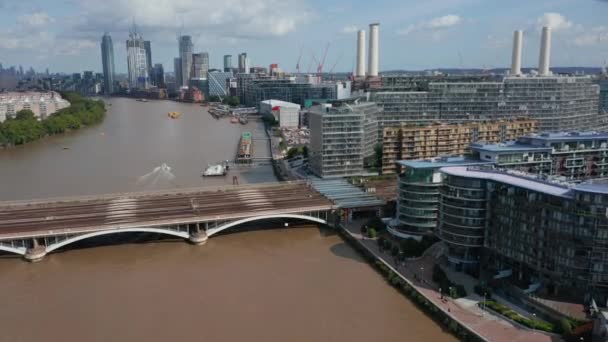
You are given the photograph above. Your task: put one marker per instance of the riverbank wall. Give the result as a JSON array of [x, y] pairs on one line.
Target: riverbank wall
[[407, 288]]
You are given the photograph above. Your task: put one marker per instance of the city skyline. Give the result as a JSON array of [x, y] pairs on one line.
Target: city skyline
[[459, 33]]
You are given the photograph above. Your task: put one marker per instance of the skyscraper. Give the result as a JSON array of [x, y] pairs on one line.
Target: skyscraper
[[158, 75], [136, 60], [107, 61], [227, 63], [185, 54], [148, 49], [243, 63], [200, 65], [177, 69]]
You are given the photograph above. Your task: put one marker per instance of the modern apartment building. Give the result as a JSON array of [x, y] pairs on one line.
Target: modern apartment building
[[137, 60], [243, 63], [409, 142], [107, 62], [574, 156], [558, 103], [288, 90], [185, 55], [418, 195], [342, 136], [42, 104], [540, 235]]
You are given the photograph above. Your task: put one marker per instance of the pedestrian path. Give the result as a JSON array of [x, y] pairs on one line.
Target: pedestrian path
[[418, 273]]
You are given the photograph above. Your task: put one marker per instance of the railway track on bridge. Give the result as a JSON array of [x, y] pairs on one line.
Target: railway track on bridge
[[50, 217]]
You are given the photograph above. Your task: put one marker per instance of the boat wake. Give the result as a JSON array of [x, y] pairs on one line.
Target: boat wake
[[161, 174]]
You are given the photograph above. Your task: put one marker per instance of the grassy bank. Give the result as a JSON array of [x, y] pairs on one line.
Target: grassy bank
[[25, 128]]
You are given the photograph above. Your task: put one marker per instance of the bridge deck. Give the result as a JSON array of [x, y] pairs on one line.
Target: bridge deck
[[51, 217]]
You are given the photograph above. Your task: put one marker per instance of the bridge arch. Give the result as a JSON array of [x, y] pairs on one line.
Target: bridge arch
[[52, 247], [15, 250], [215, 230]]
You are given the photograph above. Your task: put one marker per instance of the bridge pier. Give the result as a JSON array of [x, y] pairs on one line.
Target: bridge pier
[[36, 253], [198, 238]]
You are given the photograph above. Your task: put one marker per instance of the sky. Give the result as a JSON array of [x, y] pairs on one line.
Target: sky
[[65, 35]]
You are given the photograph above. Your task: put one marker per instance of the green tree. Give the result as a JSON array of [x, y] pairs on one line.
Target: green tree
[[25, 114], [377, 155], [371, 232], [232, 101], [294, 151]]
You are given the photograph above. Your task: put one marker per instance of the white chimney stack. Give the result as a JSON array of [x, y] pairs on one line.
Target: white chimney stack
[[516, 58], [360, 72], [372, 69], [545, 52]]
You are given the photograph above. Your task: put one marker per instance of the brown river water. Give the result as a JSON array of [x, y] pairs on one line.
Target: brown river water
[[295, 284]]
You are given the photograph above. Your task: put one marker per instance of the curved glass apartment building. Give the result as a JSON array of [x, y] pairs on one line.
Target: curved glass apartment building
[[419, 194], [537, 234], [462, 219]]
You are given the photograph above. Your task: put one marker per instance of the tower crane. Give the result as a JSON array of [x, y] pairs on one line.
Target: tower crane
[[320, 67]]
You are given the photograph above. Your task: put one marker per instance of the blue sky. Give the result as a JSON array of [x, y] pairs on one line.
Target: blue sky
[[64, 35]]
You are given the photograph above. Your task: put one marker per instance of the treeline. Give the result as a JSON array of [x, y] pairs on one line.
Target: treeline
[[24, 127]]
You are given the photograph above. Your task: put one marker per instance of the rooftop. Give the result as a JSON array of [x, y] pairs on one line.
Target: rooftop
[[518, 179], [568, 136], [346, 195], [441, 162], [510, 146]]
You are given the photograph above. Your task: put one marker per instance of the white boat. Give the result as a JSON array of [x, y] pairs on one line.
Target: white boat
[[215, 170]]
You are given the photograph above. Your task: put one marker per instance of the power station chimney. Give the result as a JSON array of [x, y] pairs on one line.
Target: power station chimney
[[545, 52], [360, 72], [516, 58], [372, 69]]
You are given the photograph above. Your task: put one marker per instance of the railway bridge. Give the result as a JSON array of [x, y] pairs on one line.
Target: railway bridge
[[35, 228]]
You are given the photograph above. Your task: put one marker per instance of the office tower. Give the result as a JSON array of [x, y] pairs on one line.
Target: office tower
[[107, 61], [177, 69], [158, 75], [200, 65], [227, 63], [185, 55], [136, 60]]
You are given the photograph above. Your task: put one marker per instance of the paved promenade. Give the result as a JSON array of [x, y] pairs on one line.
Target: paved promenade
[[465, 310]]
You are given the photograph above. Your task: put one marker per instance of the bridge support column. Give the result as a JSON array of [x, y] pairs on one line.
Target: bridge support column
[[36, 253], [198, 237]]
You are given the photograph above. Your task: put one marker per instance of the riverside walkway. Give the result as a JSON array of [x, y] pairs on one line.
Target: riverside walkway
[[418, 274]]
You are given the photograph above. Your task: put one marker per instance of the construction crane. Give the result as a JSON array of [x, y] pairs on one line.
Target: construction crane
[[320, 67], [312, 60], [299, 59], [331, 71]]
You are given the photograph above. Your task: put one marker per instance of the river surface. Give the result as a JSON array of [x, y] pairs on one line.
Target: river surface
[[296, 284], [134, 139]]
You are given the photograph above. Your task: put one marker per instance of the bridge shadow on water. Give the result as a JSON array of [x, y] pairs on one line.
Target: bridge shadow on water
[[118, 239], [344, 250]]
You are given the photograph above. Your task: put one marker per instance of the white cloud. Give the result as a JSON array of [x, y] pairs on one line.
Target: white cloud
[[434, 25], [226, 19], [593, 37], [554, 20], [350, 29], [445, 21], [35, 20]]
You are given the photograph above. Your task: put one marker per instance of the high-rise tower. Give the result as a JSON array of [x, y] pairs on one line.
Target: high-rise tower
[[107, 61], [136, 60], [185, 54]]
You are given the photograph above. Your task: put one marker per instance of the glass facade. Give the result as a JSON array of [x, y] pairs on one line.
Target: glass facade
[[543, 235]]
